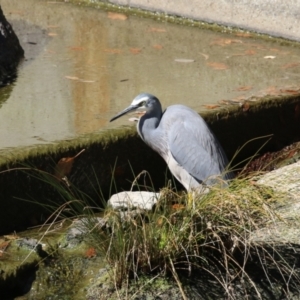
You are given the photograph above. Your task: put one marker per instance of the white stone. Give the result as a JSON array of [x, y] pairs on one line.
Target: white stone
[[133, 200]]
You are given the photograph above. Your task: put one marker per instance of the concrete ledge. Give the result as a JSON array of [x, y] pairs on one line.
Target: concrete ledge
[[275, 17]]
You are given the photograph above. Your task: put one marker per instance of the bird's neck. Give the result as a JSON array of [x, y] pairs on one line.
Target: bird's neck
[[147, 126]]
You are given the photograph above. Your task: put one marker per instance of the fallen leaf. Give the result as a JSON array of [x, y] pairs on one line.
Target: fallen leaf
[[90, 253], [211, 106], [116, 16], [77, 48], [155, 29], [225, 42], [290, 91], [178, 206], [64, 166], [290, 65], [239, 98], [245, 107], [135, 50], [3, 246], [72, 77], [157, 46], [250, 52], [244, 88], [184, 60], [52, 34], [113, 51], [217, 66], [270, 57]]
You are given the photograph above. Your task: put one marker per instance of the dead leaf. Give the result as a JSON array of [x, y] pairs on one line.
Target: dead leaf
[[239, 98], [250, 52], [244, 88], [217, 66], [290, 65], [290, 91], [72, 77], [90, 253], [211, 106], [178, 206], [77, 48], [116, 16], [184, 60], [245, 106], [155, 29], [52, 34], [135, 50], [64, 166], [113, 51], [225, 42], [157, 46], [3, 246]]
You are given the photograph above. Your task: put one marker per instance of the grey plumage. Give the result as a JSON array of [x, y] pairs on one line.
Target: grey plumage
[[183, 139]]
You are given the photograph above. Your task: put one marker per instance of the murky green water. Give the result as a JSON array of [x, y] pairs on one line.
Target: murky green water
[[83, 65]]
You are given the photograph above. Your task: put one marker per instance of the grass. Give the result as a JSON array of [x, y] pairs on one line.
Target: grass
[[209, 241], [211, 237]]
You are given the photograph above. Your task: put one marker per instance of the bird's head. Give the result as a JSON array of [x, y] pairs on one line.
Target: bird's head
[[142, 102]]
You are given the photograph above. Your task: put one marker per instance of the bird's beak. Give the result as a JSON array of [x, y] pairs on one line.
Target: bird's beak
[[124, 112]]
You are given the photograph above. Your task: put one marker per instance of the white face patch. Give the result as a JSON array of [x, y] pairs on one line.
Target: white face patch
[[139, 100]]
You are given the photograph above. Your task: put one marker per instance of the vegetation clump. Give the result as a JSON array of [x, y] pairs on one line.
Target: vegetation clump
[[208, 240]]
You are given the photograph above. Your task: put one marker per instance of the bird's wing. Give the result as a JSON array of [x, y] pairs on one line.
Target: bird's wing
[[194, 146]]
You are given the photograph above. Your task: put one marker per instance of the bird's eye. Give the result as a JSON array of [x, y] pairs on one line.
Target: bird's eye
[[143, 103]]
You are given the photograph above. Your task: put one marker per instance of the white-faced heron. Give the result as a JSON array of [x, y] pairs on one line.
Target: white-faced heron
[[183, 139]]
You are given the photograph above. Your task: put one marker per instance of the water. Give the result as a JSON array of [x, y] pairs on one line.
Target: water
[[83, 65]]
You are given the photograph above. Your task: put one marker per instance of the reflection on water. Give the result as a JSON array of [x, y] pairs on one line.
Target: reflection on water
[[84, 65]]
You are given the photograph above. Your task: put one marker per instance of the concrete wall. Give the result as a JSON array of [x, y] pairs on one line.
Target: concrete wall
[[275, 17]]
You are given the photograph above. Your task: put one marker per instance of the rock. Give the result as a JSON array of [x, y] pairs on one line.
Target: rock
[[133, 200], [11, 51], [79, 229], [285, 180]]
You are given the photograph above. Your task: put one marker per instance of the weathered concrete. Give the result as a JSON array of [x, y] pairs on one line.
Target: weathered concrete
[[285, 180], [275, 17]]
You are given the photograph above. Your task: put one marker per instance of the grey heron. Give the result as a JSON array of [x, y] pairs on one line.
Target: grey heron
[[183, 139]]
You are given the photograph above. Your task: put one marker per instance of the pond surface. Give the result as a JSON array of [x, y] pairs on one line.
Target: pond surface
[[83, 65]]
